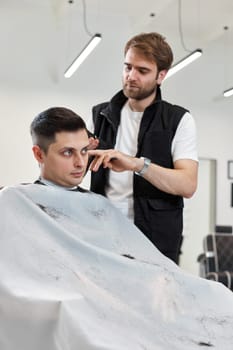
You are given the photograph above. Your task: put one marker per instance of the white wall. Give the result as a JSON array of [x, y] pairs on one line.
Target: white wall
[[199, 88], [199, 216]]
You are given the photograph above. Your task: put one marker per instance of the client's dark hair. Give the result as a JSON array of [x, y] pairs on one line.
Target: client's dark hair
[[51, 121]]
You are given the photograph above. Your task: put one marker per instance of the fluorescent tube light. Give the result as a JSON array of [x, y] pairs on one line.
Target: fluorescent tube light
[[228, 92], [184, 62], [83, 55]]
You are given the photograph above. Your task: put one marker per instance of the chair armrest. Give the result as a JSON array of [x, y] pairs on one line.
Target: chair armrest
[[225, 277]]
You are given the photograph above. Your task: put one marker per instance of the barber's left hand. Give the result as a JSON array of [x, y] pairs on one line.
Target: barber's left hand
[[93, 143]]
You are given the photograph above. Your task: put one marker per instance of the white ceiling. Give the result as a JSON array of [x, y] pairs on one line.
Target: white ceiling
[[40, 38]]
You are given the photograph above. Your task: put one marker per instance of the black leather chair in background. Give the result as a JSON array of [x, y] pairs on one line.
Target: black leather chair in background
[[223, 229], [216, 262]]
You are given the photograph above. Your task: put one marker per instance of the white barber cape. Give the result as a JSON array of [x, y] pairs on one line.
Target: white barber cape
[[77, 275]]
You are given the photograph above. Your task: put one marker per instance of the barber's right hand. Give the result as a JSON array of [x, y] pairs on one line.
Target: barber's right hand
[[114, 160]]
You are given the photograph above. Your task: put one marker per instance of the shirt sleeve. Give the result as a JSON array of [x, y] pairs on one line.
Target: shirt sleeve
[[184, 144]]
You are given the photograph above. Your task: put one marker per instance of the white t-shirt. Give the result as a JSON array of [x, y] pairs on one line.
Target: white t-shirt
[[120, 187]]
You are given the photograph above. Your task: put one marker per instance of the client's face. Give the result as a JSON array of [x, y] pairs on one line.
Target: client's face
[[66, 159]]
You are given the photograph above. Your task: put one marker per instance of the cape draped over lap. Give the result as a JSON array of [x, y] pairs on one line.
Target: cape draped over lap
[[77, 275]]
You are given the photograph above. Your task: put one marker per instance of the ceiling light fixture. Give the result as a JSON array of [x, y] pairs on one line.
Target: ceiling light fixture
[[192, 55], [184, 62], [94, 41], [83, 55], [228, 92]]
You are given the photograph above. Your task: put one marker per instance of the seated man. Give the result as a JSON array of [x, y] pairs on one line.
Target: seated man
[[60, 145], [77, 274]]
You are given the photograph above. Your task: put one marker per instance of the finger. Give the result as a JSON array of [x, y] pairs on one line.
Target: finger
[[108, 159], [96, 163], [94, 152], [94, 166]]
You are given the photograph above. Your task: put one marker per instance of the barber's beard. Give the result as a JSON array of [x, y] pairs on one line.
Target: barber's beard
[[138, 93]]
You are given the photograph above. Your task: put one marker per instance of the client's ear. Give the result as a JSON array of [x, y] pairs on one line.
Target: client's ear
[[38, 153]]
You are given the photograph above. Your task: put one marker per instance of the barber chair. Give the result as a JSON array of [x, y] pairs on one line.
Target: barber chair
[[216, 262]]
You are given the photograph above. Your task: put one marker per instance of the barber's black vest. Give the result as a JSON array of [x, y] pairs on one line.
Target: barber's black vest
[[157, 214], [157, 129]]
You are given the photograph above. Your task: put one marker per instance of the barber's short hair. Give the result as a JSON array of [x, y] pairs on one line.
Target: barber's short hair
[[154, 47], [51, 121]]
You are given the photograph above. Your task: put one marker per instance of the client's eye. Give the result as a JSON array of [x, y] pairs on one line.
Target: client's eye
[[84, 150], [67, 153]]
